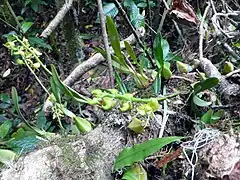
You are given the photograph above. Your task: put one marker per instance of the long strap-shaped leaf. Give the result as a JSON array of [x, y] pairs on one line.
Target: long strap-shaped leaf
[[140, 151], [65, 89], [16, 106]]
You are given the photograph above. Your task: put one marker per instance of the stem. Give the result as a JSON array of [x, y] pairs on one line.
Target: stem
[[139, 100], [38, 80]]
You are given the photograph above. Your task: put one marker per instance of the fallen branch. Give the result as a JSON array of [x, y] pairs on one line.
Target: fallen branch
[[89, 64], [225, 88], [57, 19]]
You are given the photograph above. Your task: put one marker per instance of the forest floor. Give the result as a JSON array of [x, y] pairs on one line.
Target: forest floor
[[182, 119]]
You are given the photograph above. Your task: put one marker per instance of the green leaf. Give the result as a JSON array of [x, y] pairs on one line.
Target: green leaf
[[58, 82], [136, 18], [4, 101], [65, 89], [35, 41], [207, 117], [130, 51], [110, 10], [35, 4], [200, 102], [67, 112], [41, 120], [158, 51], [139, 152], [161, 50], [137, 172], [5, 128], [7, 156], [16, 106], [26, 26], [114, 37], [217, 115], [120, 83], [82, 124], [55, 90], [205, 84], [27, 143]]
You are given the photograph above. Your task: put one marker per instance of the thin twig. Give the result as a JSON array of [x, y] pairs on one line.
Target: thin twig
[[124, 14], [8, 24], [232, 73], [162, 19], [106, 44], [202, 32], [150, 21], [57, 19]]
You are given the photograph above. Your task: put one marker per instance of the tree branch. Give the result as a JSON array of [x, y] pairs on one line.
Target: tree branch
[[57, 19]]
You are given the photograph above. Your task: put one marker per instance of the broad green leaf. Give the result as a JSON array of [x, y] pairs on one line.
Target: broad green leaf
[[26, 26], [217, 115], [205, 84], [82, 124], [137, 172], [6, 156], [113, 37], [207, 117], [136, 17], [139, 152], [25, 144], [35, 41], [36, 3], [41, 120], [110, 10], [4, 101], [137, 125], [5, 128], [130, 51], [200, 102]]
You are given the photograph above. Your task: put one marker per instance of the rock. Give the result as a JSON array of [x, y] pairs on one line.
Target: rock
[[222, 157], [85, 157]]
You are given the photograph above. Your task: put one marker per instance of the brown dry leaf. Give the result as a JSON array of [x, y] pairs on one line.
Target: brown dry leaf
[[184, 10], [169, 157]]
